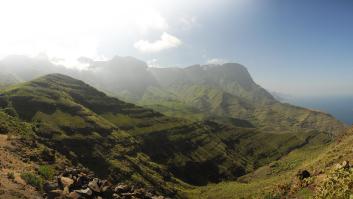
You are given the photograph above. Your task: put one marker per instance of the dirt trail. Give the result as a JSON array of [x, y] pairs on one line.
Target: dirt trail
[[12, 186]]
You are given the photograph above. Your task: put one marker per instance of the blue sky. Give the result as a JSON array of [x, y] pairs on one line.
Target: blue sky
[[301, 47], [297, 47]]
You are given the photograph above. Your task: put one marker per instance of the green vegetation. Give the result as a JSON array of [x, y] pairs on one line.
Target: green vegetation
[[329, 178], [271, 180], [181, 158], [68, 116], [223, 93], [11, 175], [46, 171], [338, 185], [33, 180], [13, 126]]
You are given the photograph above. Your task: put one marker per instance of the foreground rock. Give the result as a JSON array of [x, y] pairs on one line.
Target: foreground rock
[[78, 184]]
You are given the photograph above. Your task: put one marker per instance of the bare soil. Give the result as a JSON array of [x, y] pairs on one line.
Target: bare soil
[[11, 166]]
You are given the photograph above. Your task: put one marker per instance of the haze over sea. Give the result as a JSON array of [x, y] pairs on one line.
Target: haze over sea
[[340, 107]]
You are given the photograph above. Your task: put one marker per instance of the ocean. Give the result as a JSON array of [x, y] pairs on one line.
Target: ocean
[[339, 107]]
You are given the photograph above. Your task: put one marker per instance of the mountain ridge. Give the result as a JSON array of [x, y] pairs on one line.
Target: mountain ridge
[[226, 92], [135, 144], [99, 131]]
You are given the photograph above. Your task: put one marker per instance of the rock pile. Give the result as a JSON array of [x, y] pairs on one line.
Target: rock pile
[[79, 184], [343, 165]]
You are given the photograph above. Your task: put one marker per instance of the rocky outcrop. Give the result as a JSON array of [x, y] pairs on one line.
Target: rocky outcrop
[[80, 183]]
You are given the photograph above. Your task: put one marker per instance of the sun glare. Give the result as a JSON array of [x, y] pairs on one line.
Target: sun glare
[[70, 29]]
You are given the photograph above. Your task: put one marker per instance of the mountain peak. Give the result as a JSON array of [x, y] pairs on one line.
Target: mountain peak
[[59, 80], [128, 61], [60, 77], [57, 76]]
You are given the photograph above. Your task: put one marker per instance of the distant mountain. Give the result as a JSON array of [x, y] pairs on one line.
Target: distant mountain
[[218, 92], [7, 80], [25, 68], [127, 76]]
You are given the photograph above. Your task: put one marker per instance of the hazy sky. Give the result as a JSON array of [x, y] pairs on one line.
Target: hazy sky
[[298, 47]]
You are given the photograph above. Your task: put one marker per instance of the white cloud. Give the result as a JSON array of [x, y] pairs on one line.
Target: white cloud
[[165, 42], [150, 19], [83, 29], [217, 61]]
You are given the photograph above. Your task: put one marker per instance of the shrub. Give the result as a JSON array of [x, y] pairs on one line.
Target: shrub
[[48, 155], [11, 111], [339, 184], [10, 175], [33, 180], [46, 171]]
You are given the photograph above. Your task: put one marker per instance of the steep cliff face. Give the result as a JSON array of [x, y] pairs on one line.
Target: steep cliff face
[[231, 78], [227, 91]]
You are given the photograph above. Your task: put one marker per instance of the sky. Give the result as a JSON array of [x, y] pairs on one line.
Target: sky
[[295, 47]]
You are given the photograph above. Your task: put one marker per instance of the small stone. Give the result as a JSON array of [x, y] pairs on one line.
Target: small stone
[[121, 188], [128, 194], [82, 180], [47, 187], [337, 166], [66, 182], [74, 195], [66, 191], [105, 188], [105, 183], [55, 194], [87, 191], [94, 185], [345, 164]]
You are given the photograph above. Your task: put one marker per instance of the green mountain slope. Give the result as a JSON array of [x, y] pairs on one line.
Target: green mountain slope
[[224, 93], [130, 143], [228, 91], [330, 168], [53, 105]]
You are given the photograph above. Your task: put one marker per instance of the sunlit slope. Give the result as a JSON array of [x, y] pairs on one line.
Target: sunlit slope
[[59, 108], [228, 91], [128, 142], [225, 93], [330, 167]]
